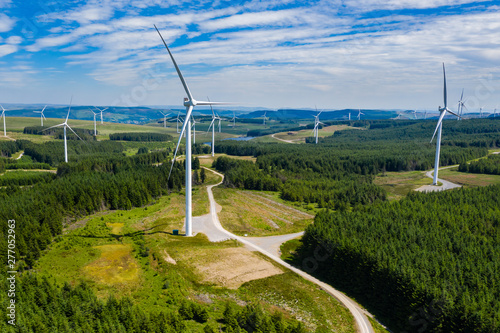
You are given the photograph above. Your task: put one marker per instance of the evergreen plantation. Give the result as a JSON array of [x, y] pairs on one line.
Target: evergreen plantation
[[430, 257]]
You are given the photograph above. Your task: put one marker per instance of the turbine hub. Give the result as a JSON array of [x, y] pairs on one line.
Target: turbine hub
[[187, 102]]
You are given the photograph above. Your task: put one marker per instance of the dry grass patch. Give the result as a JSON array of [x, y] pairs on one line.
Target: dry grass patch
[[249, 212], [468, 179], [230, 267], [115, 266], [116, 228]]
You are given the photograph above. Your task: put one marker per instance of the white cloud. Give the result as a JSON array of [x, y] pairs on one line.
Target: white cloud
[[5, 3], [14, 40], [7, 49], [368, 5], [6, 23], [282, 17]]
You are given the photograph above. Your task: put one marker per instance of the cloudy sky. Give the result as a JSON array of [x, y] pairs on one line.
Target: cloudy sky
[[333, 54]]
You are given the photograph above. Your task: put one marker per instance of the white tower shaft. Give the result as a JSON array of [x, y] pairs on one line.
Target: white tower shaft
[[65, 146], [189, 221], [438, 148]]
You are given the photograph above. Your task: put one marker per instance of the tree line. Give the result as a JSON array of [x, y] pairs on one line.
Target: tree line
[[429, 259], [145, 137], [489, 165], [80, 189]]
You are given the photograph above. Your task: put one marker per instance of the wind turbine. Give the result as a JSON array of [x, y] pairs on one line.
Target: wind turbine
[[95, 126], [461, 105], [164, 118], [101, 112], [194, 130], [42, 116], [495, 112], [415, 114], [439, 128], [425, 115], [481, 112], [265, 118], [349, 116], [212, 124], [234, 119], [220, 119], [189, 103], [359, 114], [179, 120], [65, 124], [3, 116], [316, 124]]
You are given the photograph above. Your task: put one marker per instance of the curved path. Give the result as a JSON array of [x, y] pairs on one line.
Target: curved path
[[287, 141], [446, 185], [213, 223]]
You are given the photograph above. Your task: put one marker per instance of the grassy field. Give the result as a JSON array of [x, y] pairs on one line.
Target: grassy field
[[206, 159], [134, 253], [468, 179], [257, 213], [398, 184], [299, 136], [16, 125]]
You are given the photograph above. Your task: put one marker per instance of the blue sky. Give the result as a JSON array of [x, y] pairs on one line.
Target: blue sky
[[332, 54]]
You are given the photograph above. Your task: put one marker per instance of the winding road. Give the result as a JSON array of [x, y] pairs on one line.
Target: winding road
[[210, 225], [446, 185]]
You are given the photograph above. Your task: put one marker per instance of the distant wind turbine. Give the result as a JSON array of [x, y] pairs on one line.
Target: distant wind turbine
[[316, 125], [461, 105], [95, 126], [179, 120], [481, 112], [194, 129], [234, 119], [212, 124], [101, 111], [439, 128], [414, 114], [349, 116], [42, 116], [65, 125], [3, 116], [265, 118], [359, 114], [189, 103], [164, 118]]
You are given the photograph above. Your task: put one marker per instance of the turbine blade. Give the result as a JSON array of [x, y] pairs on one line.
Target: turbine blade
[[52, 127], [186, 88], [444, 88], [212, 103], [188, 114], [71, 101], [453, 113], [44, 108], [74, 132], [211, 124], [443, 113]]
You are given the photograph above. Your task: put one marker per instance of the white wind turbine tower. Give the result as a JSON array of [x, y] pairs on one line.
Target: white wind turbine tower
[[189, 103], [164, 119], [234, 119], [220, 119], [265, 118], [212, 124], [179, 120], [439, 128], [349, 116], [194, 130], [42, 116], [101, 111], [414, 114], [316, 125], [65, 124], [3, 116], [461, 105], [359, 114], [95, 126]]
